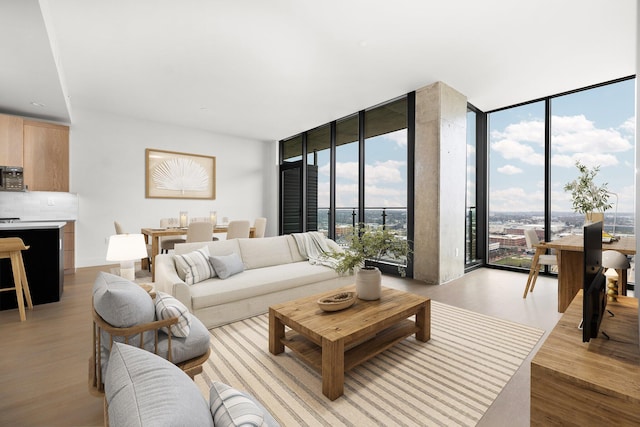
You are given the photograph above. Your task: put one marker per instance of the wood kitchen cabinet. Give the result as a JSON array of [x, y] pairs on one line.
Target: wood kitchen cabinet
[[68, 243], [46, 156], [11, 140]]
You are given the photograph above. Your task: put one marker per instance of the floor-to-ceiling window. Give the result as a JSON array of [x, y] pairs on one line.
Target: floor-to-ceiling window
[[474, 204], [366, 180], [516, 181], [533, 149], [595, 127], [346, 176], [386, 166]]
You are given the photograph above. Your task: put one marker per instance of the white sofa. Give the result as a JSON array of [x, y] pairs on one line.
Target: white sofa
[[275, 272]]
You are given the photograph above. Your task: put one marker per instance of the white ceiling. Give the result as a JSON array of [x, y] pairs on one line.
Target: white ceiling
[[268, 69]]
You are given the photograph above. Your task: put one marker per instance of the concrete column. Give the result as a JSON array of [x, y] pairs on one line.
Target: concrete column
[[440, 183]]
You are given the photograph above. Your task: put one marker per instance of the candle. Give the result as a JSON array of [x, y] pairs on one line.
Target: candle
[[184, 219], [213, 215]]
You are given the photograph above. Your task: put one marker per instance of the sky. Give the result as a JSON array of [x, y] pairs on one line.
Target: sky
[[385, 172], [595, 127]]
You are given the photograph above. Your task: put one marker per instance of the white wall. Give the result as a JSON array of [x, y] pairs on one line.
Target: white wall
[[107, 167]]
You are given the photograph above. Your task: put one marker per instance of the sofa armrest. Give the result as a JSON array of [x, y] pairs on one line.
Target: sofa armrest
[[167, 280]]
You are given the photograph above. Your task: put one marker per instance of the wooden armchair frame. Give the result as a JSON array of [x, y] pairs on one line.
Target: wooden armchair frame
[[191, 367]]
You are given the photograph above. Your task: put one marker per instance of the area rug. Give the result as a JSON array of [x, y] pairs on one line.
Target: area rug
[[450, 380]]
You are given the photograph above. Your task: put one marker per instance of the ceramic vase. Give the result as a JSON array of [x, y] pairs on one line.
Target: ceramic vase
[[369, 283]]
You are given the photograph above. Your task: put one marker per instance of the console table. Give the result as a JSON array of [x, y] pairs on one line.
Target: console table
[[594, 383]]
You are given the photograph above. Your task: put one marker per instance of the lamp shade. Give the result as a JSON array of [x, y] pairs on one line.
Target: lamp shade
[[126, 247], [615, 259]]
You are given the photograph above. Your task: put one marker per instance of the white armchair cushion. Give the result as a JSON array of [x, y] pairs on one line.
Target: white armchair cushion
[[194, 267], [168, 307]]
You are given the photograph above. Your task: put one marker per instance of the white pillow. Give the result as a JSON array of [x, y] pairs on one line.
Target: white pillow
[[194, 266], [227, 265], [167, 307]]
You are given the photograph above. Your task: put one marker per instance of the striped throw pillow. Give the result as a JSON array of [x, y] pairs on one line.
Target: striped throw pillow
[[167, 307], [195, 266], [231, 408]]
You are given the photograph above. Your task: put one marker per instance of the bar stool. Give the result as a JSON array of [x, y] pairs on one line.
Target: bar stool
[[12, 247]]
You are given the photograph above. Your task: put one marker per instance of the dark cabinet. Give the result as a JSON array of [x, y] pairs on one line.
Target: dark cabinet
[[43, 263]]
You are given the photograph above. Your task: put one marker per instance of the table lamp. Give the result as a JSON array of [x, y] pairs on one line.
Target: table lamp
[[126, 248]]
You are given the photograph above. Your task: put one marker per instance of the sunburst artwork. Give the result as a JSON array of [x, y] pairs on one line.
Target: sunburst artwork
[[179, 175]]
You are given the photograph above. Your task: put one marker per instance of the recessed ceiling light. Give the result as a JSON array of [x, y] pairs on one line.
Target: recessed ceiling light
[[37, 104]]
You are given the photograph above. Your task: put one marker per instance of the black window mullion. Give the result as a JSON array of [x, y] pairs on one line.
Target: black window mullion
[[361, 166]]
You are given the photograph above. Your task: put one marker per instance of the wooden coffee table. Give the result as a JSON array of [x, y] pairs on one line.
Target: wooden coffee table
[[334, 342]]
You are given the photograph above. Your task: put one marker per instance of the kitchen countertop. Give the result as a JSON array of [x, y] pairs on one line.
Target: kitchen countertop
[[31, 225]]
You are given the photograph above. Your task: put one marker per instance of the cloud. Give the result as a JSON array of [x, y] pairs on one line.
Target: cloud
[[524, 131], [471, 150], [399, 137], [510, 170], [516, 199], [577, 134], [511, 149], [588, 159], [629, 126], [381, 172]]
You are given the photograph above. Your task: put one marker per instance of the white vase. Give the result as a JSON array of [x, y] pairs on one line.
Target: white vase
[[369, 283]]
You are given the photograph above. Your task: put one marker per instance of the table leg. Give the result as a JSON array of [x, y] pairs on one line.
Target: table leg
[[332, 368], [144, 262], [423, 322], [276, 333], [155, 244]]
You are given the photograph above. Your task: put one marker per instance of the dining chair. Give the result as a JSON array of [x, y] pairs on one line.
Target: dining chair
[[238, 230], [200, 232], [260, 225], [167, 243], [540, 258]]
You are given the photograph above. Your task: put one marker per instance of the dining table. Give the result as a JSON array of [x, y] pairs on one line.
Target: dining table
[[569, 250], [154, 234]]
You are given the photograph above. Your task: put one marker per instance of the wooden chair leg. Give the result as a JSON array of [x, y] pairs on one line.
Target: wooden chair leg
[[532, 274], [25, 285], [535, 277], [17, 279]]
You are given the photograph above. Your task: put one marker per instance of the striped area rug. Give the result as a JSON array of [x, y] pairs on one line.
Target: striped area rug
[[450, 380]]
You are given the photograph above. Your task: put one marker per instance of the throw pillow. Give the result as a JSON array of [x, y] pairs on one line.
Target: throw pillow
[[121, 303], [227, 265], [231, 408], [195, 266], [167, 307]]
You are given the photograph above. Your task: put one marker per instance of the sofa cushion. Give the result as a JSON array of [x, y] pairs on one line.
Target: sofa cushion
[[229, 407], [144, 389], [257, 282], [227, 265], [218, 247], [194, 267], [167, 307], [265, 252], [121, 303]]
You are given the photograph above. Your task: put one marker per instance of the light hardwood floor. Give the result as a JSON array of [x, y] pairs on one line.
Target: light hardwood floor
[[43, 374]]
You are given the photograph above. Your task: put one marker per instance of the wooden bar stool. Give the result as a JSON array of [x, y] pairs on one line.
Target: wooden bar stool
[[12, 247]]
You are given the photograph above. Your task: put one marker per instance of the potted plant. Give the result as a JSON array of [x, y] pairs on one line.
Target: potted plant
[[373, 244], [586, 196]]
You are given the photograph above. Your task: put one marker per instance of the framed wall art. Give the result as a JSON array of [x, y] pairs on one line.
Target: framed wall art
[[173, 175]]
